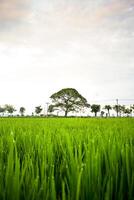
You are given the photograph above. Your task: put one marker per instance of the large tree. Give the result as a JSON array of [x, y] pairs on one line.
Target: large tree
[[95, 108], [67, 100]]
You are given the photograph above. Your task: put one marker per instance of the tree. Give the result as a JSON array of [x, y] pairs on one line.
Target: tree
[[128, 111], [95, 108], [108, 108], [132, 108], [9, 108], [22, 110], [131, 111], [2, 110], [102, 113], [38, 110], [117, 109], [67, 100], [122, 109]]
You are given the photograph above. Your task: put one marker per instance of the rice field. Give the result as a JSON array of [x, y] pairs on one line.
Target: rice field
[[66, 159]]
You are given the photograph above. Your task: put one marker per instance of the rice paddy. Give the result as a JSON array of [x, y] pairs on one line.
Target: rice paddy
[[66, 159]]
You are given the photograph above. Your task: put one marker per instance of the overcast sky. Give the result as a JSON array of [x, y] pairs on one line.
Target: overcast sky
[[47, 45]]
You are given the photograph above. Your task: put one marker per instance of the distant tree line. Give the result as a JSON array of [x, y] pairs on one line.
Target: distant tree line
[[69, 100]]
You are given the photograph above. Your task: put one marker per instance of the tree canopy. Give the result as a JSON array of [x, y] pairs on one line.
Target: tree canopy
[[108, 108], [22, 110], [38, 109], [95, 108], [9, 108], [67, 100]]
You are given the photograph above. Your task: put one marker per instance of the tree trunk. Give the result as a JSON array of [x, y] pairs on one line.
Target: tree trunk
[[66, 112], [108, 113], [117, 114], [95, 114]]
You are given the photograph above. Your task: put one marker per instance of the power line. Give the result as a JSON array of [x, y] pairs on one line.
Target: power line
[[108, 100], [127, 99]]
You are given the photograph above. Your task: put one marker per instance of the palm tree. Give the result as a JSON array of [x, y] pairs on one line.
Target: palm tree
[[38, 110], [117, 109], [22, 110], [95, 108], [108, 108]]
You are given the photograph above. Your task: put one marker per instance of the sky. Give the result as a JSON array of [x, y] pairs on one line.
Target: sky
[[49, 45]]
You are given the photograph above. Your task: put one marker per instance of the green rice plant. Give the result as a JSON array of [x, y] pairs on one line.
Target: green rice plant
[[66, 159]]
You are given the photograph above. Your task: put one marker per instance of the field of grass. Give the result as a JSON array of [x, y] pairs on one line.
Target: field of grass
[[68, 159]]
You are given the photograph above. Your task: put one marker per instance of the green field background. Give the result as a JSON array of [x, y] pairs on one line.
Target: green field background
[[68, 159]]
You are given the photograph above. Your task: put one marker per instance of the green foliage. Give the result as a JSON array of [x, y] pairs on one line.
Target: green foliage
[[128, 111], [9, 108], [22, 110], [132, 107], [102, 113], [38, 109], [67, 100], [2, 109], [95, 108], [66, 159], [108, 108], [119, 109]]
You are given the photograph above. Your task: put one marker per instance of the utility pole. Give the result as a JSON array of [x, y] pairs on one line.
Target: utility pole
[[117, 103], [47, 108]]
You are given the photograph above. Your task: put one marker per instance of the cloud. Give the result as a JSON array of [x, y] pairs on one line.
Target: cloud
[[80, 15], [101, 12], [109, 10], [13, 10]]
